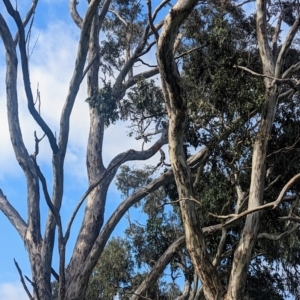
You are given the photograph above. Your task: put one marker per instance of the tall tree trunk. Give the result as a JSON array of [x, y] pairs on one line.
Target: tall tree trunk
[[176, 103], [243, 252], [94, 211]]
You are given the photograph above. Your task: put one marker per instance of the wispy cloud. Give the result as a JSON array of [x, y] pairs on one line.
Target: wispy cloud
[[12, 291]]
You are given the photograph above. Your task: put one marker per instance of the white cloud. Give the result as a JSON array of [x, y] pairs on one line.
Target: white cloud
[[12, 291], [51, 67]]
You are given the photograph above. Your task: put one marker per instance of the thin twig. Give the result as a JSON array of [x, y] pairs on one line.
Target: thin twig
[[176, 201]]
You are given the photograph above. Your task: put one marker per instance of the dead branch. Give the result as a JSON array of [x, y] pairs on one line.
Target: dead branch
[[23, 281]]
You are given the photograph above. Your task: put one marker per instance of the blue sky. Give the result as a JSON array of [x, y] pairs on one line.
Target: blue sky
[[51, 66], [55, 37]]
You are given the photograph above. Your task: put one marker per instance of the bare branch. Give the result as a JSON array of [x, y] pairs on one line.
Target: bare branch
[[221, 246], [276, 33], [89, 66], [26, 78], [262, 36], [275, 237], [244, 2], [149, 6], [189, 51], [12, 215], [20, 150], [159, 267], [147, 74], [164, 260], [271, 205], [34, 287], [55, 275], [181, 199], [292, 69], [78, 69], [74, 13], [286, 45], [158, 8], [147, 49], [287, 93], [290, 218], [29, 14], [127, 203], [23, 281], [91, 187], [263, 75]]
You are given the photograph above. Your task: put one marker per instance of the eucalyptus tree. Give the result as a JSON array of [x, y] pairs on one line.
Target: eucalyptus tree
[[274, 75], [224, 107]]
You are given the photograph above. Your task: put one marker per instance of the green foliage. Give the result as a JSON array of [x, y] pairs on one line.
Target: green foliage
[[113, 272], [104, 101], [218, 95], [146, 96], [130, 179]]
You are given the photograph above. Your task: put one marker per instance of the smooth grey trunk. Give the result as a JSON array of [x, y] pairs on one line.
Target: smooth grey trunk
[[272, 68], [176, 103]]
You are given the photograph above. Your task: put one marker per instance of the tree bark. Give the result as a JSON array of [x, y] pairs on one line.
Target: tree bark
[[176, 103]]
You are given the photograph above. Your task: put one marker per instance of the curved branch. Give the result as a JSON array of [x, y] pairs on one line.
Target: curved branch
[[127, 203], [158, 8], [91, 187], [292, 69], [74, 13], [271, 205], [164, 260], [140, 155], [26, 78], [158, 268], [20, 150]]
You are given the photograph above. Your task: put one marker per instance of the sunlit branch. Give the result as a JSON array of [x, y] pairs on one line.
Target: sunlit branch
[[118, 16]]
